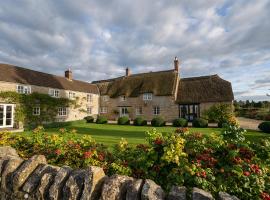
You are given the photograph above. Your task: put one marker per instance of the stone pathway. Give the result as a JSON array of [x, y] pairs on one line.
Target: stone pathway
[[249, 123]]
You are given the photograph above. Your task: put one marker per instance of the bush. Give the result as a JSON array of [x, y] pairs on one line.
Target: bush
[[181, 122], [89, 119], [200, 123], [158, 121], [123, 120], [139, 121], [265, 126], [101, 120]]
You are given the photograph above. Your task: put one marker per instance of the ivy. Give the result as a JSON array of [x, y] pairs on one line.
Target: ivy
[[26, 102]]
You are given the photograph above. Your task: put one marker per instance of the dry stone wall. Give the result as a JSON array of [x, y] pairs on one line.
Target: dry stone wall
[[35, 179]]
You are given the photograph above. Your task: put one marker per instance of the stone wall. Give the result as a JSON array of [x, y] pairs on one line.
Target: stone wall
[[35, 179], [168, 108]]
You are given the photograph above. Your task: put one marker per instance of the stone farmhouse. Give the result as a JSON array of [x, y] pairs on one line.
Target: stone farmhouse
[[162, 93]]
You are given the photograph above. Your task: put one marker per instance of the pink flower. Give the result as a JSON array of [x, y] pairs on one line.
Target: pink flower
[[246, 173]]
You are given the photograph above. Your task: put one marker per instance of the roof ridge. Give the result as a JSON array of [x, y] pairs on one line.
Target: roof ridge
[[132, 75], [23, 68], [200, 77]]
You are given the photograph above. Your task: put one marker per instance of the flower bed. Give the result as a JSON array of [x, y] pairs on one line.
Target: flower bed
[[214, 163]]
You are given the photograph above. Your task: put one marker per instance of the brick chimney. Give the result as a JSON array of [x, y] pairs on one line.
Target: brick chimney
[[128, 72], [176, 64], [68, 74]]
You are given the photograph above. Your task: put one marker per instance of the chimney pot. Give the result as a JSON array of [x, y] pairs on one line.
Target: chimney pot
[[128, 72], [176, 64], [68, 74]]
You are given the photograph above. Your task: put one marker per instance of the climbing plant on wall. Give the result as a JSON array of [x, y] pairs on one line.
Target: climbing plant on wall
[[25, 103]]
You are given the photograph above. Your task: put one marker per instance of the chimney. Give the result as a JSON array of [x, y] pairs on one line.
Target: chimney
[[68, 74], [128, 72], [176, 64]]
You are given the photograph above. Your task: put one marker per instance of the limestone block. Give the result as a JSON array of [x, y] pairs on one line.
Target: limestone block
[[199, 194], [177, 193], [152, 191]]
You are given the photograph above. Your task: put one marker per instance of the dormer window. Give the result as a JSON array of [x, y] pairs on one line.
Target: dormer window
[[23, 89], [105, 98], [123, 98], [54, 93], [147, 96]]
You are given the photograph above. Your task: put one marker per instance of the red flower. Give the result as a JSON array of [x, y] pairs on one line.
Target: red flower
[[87, 154], [265, 196], [255, 168], [246, 173], [101, 156], [198, 174], [203, 174], [158, 141], [57, 152]]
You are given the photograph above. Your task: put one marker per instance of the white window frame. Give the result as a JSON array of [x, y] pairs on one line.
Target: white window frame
[[147, 96], [62, 111], [123, 98], [89, 98], [23, 89], [71, 95], [103, 109], [139, 111], [89, 110], [156, 110], [105, 98], [54, 93], [36, 111]]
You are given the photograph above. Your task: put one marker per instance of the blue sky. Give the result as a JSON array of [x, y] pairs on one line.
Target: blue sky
[[97, 39]]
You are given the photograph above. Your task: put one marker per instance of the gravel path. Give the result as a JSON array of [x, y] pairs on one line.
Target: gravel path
[[249, 123]]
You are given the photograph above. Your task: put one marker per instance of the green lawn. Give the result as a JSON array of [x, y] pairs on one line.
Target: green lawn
[[111, 134]]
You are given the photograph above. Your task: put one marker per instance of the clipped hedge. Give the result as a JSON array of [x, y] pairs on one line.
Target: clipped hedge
[[265, 126], [101, 120], [180, 122], [200, 123], [158, 121], [123, 120], [139, 121], [89, 119]]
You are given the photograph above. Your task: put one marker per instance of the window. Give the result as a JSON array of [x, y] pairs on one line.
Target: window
[[89, 110], [89, 98], [123, 98], [123, 111], [105, 98], [139, 111], [22, 89], [156, 110], [147, 96], [103, 109], [62, 111], [54, 93], [36, 111], [71, 95]]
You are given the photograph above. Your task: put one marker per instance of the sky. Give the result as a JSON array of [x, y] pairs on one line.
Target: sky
[[98, 39]]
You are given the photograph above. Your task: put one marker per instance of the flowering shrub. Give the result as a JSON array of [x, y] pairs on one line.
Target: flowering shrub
[[211, 162]]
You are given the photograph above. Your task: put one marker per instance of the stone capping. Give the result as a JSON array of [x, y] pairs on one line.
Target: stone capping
[[35, 179]]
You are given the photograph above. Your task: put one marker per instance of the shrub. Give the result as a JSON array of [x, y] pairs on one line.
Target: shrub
[[158, 121], [89, 119], [181, 122], [233, 134], [123, 120], [200, 123], [139, 121], [265, 126], [101, 120]]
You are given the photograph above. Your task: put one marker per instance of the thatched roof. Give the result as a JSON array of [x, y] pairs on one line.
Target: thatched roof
[[14, 74], [162, 83], [204, 89]]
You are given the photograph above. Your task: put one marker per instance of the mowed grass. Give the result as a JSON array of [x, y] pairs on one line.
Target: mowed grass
[[111, 134]]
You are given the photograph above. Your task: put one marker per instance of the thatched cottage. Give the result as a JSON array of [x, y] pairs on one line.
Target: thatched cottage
[[162, 93]]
